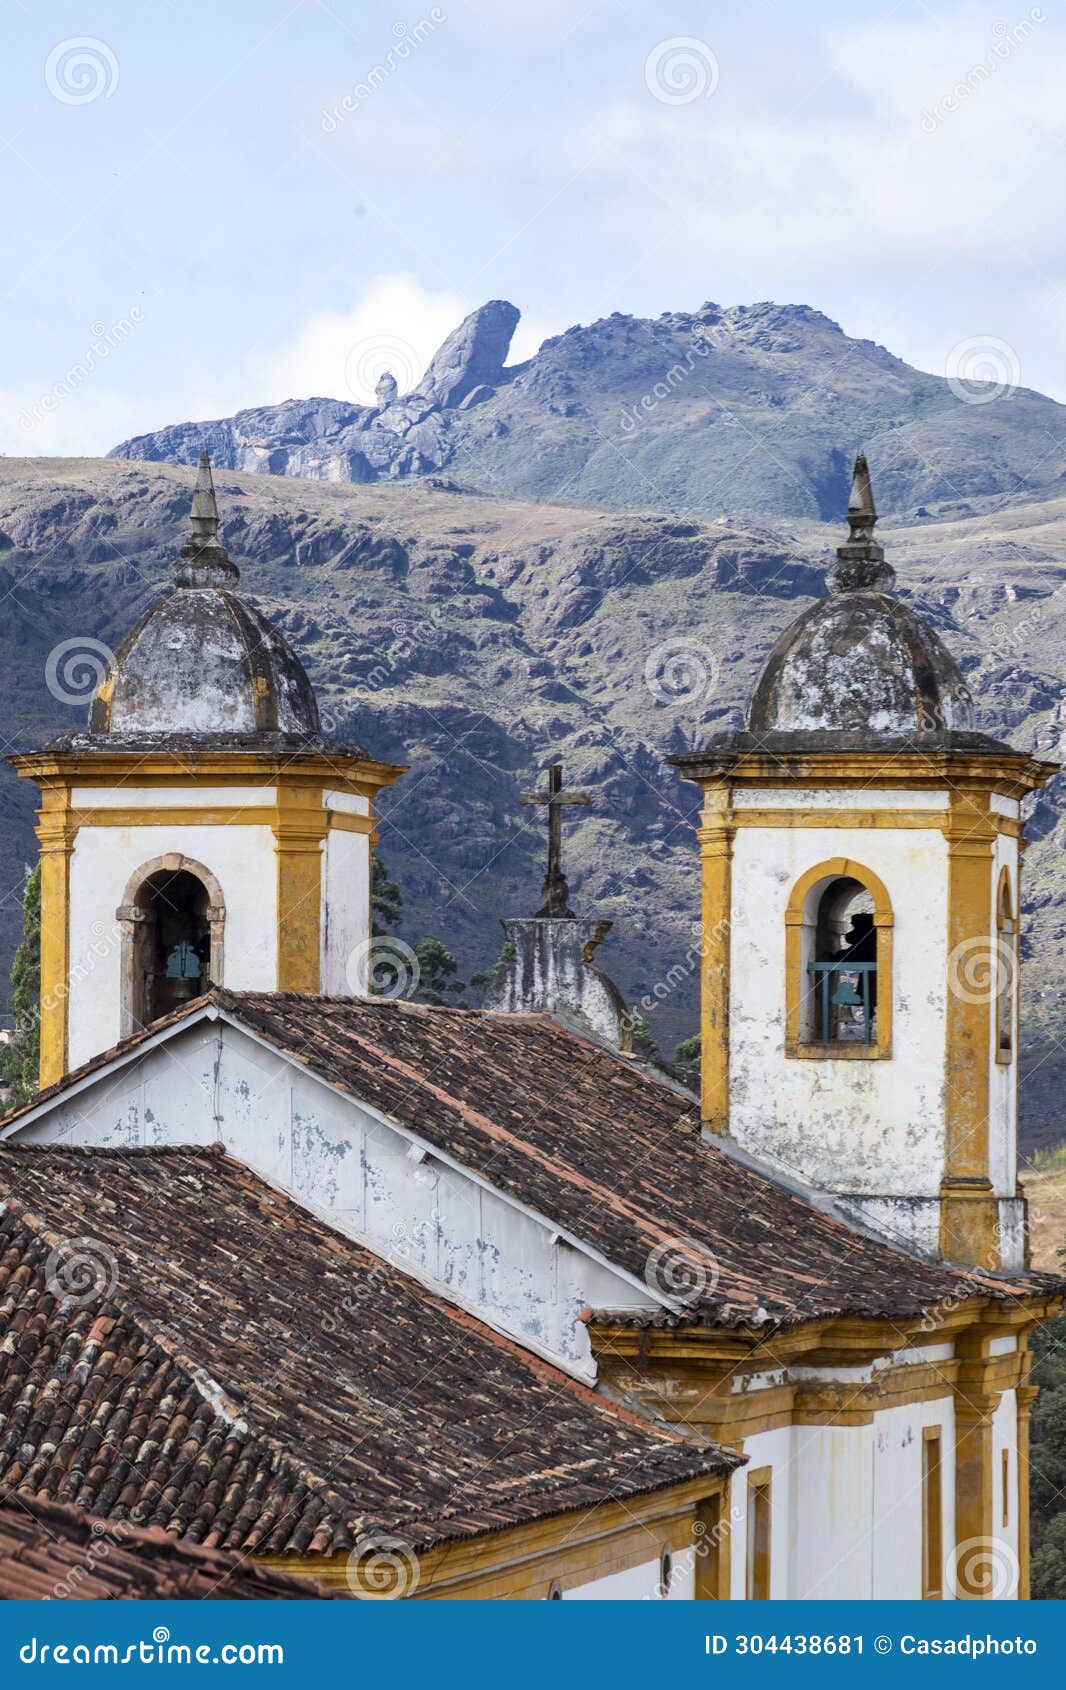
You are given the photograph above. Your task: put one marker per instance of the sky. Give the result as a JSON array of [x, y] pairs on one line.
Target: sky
[[215, 206]]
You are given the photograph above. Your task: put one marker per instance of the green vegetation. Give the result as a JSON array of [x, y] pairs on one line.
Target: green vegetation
[[1047, 1158], [1047, 1480], [437, 968], [687, 1053], [438, 971], [386, 901], [21, 1058]]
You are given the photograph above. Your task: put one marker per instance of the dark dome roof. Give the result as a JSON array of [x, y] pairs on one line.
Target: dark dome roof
[[201, 662], [859, 661]]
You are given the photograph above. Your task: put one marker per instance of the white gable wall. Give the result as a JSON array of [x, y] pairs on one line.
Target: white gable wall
[[212, 1083]]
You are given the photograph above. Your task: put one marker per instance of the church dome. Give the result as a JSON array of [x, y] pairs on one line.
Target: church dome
[[859, 661], [201, 662]]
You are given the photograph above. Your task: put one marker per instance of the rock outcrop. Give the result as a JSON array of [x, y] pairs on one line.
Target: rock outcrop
[[327, 440], [664, 413]]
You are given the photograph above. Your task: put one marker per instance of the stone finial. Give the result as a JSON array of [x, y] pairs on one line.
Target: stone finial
[[204, 561], [862, 513], [548, 970], [860, 562]]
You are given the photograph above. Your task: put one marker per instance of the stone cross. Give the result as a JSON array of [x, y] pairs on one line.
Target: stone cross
[[556, 891]]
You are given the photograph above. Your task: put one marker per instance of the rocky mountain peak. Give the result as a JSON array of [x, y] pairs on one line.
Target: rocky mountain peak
[[659, 413], [473, 355]]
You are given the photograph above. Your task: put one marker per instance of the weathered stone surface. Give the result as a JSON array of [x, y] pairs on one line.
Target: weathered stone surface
[[472, 356], [550, 971], [859, 661]]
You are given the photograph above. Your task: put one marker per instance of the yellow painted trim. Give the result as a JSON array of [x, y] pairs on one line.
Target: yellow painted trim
[[975, 1406], [930, 819], [759, 1560], [968, 1211], [1025, 1397], [340, 773], [933, 1517], [1011, 774], [1006, 933], [834, 868], [300, 826], [56, 835], [185, 815], [713, 1535], [341, 822], [522, 1562], [716, 852]]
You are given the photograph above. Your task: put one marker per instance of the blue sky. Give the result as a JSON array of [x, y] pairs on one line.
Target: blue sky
[[214, 206]]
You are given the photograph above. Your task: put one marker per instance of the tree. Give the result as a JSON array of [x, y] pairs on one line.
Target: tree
[[644, 1043], [485, 977], [1048, 1460], [437, 967], [438, 970], [687, 1053], [386, 901], [21, 1057]]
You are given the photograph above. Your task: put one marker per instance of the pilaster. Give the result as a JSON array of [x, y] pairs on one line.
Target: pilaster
[[716, 859]]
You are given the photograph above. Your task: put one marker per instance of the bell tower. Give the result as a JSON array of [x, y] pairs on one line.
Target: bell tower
[[861, 847], [200, 830]]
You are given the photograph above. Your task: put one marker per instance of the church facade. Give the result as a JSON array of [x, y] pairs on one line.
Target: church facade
[[801, 1301]]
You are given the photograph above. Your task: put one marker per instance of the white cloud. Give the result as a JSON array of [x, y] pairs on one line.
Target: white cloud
[[83, 422], [395, 324]]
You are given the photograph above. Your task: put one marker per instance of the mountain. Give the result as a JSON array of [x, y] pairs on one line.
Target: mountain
[[754, 408], [477, 639]]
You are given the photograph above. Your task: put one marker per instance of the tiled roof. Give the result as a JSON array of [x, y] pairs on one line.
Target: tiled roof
[[183, 1345], [52, 1553], [601, 1148]]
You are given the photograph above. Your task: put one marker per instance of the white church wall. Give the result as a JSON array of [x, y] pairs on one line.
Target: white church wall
[[829, 1476], [876, 1125], [897, 1495], [196, 793], [345, 905], [640, 1584], [1004, 1563], [103, 862], [773, 1450]]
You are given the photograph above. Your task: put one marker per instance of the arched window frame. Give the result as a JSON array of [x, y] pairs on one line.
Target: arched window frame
[[800, 922], [129, 914], [1006, 971]]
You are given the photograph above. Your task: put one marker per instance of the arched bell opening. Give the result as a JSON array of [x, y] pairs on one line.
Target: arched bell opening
[[839, 963], [842, 974], [172, 924]]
